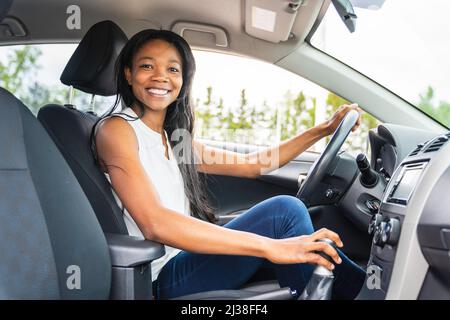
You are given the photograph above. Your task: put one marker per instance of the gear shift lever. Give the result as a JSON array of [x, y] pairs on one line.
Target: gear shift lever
[[320, 285]]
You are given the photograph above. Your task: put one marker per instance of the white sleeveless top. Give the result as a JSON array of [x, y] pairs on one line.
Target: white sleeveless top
[[163, 173]]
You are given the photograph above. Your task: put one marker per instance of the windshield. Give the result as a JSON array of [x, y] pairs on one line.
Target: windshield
[[403, 46]]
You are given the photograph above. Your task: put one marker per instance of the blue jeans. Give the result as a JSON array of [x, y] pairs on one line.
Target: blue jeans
[[278, 217]]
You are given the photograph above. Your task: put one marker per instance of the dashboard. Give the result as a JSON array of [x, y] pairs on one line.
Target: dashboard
[[410, 226], [390, 144]]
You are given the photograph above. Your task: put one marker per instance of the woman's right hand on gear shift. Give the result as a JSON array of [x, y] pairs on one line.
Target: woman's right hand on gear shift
[[302, 249]]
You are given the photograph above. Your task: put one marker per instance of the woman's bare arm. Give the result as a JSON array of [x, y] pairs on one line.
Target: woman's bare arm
[[252, 165]]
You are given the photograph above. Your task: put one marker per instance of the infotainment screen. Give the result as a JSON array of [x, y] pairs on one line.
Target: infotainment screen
[[404, 187]]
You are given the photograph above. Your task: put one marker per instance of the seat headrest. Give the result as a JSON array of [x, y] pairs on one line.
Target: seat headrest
[[4, 8], [91, 67]]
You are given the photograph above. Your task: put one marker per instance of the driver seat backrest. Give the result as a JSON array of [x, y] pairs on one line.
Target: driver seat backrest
[[90, 69]]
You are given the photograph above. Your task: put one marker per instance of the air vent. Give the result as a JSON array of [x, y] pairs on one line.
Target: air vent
[[437, 144], [416, 150]]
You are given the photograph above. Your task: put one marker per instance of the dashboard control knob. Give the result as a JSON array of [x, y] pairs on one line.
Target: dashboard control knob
[[378, 235], [374, 223], [392, 231], [387, 231]]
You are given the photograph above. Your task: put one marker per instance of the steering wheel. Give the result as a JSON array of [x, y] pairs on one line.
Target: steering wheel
[[321, 166]]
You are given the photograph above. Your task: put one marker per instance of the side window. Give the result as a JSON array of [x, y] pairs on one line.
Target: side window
[[246, 101], [32, 73], [236, 99]]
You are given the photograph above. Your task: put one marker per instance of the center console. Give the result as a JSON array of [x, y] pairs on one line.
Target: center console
[[386, 225]]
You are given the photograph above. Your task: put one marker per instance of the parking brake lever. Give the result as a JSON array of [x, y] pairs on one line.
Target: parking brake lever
[[320, 285]]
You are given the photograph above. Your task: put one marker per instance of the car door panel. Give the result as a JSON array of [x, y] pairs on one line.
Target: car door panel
[[232, 195]]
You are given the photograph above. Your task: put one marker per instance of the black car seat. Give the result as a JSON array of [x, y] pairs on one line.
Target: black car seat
[[71, 128], [51, 244], [37, 189], [46, 223]]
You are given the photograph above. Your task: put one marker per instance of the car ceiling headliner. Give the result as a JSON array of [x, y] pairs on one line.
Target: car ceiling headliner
[[45, 22]]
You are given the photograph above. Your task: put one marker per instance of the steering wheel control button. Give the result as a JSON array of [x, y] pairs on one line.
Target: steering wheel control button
[[369, 178]]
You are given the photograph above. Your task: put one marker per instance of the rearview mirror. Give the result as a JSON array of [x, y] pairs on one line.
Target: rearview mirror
[[346, 12], [368, 4]]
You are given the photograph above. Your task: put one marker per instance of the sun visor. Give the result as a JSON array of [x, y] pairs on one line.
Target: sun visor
[[271, 20]]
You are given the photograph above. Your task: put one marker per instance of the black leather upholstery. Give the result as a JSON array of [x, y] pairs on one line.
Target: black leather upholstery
[[91, 67], [47, 226], [71, 129]]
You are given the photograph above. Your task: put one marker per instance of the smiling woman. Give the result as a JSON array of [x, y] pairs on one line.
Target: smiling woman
[[160, 194]]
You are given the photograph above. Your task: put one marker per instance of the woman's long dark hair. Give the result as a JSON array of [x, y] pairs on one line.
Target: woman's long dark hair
[[180, 113]]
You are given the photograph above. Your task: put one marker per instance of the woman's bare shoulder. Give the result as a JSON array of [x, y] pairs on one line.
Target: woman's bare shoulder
[[114, 128], [115, 138], [112, 125]]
